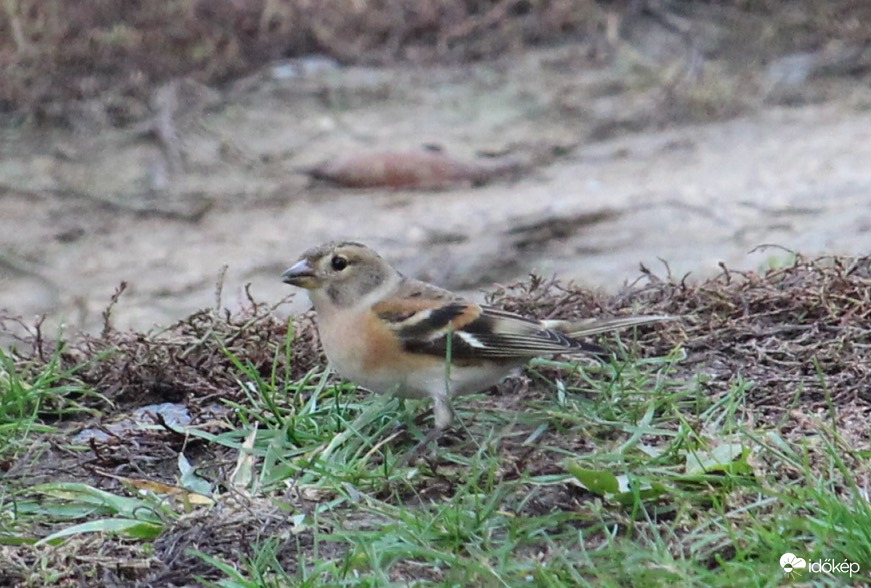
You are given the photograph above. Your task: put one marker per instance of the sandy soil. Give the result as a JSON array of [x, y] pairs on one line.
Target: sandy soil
[[627, 179]]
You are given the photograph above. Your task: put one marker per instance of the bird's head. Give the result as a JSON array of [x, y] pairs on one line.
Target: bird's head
[[341, 272]]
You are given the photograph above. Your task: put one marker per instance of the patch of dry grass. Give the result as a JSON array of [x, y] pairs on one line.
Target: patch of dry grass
[[54, 54], [772, 367], [800, 331]]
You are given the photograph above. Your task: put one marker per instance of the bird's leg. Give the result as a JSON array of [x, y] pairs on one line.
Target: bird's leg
[[444, 416]]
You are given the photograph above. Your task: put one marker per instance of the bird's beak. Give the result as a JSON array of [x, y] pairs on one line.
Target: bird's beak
[[300, 274]]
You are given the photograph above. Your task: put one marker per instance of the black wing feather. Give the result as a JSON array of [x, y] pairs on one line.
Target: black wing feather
[[484, 339], [438, 319]]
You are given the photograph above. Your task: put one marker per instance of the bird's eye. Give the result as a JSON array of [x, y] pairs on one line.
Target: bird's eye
[[339, 263]]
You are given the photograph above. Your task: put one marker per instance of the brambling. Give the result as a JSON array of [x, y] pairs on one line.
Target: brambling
[[393, 334]]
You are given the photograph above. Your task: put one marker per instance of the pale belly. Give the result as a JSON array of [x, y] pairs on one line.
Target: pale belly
[[432, 382]]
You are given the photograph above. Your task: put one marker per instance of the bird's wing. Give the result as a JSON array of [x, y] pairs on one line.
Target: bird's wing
[[427, 319]]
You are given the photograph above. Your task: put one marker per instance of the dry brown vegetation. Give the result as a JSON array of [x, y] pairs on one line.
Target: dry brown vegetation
[[800, 328], [800, 334], [54, 53]]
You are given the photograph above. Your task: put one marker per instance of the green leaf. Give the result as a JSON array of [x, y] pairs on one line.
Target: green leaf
[[88, 495], [596, 481], [617, 488], [10, 540], [190, 480], [728, 458], [130, 527], [648, 491]]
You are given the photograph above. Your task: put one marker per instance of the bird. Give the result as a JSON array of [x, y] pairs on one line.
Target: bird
[[393, 334]]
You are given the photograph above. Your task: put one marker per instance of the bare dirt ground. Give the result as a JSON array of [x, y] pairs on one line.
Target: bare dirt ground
[[640, 158]]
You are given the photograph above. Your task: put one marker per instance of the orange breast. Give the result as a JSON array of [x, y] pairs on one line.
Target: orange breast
[[363, 349]]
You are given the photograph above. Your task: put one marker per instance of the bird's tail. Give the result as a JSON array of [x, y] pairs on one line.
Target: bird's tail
[[595, 326]]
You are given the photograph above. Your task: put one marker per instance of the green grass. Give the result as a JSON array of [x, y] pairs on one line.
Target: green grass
[[640, 477], [33, 398]]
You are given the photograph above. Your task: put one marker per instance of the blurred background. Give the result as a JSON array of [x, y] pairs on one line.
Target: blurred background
[[470, 142]]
